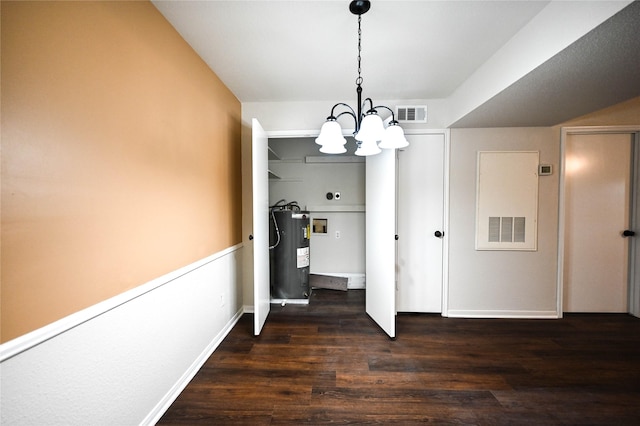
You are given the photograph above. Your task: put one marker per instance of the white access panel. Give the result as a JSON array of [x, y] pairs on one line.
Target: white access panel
[[507, 200]]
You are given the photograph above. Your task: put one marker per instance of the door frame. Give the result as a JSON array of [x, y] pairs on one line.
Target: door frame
[[447, 140], [633, 276]]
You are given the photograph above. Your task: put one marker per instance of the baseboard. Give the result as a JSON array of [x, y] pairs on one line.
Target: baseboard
[[460, 313], [163, 405]]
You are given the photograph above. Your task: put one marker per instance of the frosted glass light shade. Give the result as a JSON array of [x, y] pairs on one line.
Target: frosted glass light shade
[[393, 138], [371, 128], [333, 149], [368, 147], [331, 134]]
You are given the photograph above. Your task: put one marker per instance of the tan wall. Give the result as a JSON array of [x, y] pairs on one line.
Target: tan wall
[[120, 156], [622, 114]]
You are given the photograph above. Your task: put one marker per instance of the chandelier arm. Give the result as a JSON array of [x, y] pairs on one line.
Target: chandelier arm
[[372, 109], [393, 117], [353, 113]]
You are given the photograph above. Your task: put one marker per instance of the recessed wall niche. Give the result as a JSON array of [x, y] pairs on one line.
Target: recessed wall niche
[[319, 226]]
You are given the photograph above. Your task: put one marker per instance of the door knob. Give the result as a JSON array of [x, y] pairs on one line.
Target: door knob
[[438, 234], [628, 233], [250, 237]]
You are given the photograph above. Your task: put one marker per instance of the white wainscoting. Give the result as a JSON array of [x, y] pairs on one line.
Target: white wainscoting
[[124, 360]]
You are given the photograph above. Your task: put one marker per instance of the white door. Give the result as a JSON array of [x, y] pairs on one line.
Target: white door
[[380, 245], [597, 206], [260, 181], [421, 224]]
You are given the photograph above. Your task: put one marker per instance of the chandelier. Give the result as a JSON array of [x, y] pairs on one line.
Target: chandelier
[[370, 133]]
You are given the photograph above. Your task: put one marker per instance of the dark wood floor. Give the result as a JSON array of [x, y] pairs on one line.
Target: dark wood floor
[[329, 363]]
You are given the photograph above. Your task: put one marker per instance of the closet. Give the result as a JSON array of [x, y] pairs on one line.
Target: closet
[[334, 190]]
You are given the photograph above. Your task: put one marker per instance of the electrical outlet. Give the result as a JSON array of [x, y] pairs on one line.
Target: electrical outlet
[[337, 235]]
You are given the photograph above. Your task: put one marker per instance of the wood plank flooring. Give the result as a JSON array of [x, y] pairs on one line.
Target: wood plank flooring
[[328, 363]]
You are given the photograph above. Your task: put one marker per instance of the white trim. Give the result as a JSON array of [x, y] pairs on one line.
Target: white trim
[[347, 132], [634, 270], [163, 405], [445, 221], [357, 285], [426, 131], [41, 335], [561, 230], [585, 130], [461, 313], [295, 133]]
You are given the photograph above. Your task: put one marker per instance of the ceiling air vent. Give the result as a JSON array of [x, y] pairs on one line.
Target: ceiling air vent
[[411, 114]]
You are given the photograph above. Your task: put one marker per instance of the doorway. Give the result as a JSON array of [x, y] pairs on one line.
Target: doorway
[[287, 172], [299, 173], [597, 222]]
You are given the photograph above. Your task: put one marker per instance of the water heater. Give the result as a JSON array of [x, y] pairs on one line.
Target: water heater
[[289, 255]]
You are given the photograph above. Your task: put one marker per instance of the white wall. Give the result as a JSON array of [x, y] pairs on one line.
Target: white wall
[[342, 256], [283, 116], [124, 361], [501, 283]]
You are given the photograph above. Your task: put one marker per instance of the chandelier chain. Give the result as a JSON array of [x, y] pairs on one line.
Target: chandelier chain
[[359, 79]]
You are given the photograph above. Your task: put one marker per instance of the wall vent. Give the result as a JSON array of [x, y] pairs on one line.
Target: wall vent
[[506, 229], [411, 114]]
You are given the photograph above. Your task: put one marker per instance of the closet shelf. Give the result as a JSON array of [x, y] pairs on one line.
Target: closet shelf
[[337, 208], [273, 176], [273, 155]]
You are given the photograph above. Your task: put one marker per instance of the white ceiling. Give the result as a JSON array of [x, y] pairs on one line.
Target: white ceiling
[[279, 51]]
